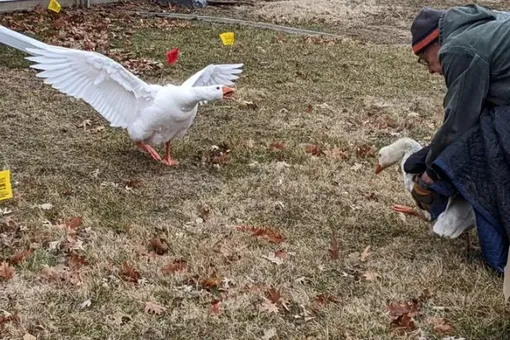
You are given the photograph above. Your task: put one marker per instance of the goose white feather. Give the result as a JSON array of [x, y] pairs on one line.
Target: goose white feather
[[152, 114], [458, 216]]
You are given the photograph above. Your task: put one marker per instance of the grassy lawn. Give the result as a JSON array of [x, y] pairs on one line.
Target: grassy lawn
[[301, 162]]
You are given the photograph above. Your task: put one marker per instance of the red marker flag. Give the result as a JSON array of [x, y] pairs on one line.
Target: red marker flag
[[172, 56]]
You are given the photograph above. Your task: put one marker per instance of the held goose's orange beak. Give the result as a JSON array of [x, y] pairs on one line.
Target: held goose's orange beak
[[228, 92], [378, 169]]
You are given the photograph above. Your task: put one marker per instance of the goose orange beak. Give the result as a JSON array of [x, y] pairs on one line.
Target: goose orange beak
[[228, 92], [378, 169]]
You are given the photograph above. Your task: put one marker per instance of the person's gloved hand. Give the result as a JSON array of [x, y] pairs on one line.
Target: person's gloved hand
[[415, 164], [422, 195]]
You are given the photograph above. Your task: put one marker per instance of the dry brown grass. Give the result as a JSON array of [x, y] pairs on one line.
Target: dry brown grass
[[377, 21], [361, 95]]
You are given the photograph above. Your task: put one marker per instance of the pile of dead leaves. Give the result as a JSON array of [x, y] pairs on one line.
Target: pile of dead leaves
[[404, 314], [92, 30], [70, 28]]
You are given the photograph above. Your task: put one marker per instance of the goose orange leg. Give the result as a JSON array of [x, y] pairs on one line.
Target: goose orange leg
[[168, 160], [407, 210], [150, 150]]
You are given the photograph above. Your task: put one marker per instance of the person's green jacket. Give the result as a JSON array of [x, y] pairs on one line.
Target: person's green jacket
[[475, 60]]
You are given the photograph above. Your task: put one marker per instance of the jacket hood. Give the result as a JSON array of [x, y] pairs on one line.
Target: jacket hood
[[458, 19]]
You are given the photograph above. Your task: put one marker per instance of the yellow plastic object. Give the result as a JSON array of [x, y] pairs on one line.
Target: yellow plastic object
[[227, 38]]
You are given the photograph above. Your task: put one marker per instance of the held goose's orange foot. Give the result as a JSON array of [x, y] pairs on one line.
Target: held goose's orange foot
[[407, 210], [150, 150]]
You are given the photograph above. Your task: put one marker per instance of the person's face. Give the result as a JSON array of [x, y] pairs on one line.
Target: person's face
[[430, 58]]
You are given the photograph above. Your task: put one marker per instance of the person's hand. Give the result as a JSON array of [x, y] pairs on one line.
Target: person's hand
[[426, 178], [420, 193]]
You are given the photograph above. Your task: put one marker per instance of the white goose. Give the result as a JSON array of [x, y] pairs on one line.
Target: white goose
[[458, 215], [152, 114]]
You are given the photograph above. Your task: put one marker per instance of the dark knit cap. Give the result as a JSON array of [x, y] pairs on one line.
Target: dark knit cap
[[425, 28]]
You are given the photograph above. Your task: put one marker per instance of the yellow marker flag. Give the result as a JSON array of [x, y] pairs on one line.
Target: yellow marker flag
[[5, 185], [54, 6], [227, 38]]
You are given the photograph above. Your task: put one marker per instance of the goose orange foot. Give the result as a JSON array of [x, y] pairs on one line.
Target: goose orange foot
[[407, 210], [150, 150], [168, 160]]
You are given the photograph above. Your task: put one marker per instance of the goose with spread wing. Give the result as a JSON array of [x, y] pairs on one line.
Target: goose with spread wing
[[458, 216], [152, 114]]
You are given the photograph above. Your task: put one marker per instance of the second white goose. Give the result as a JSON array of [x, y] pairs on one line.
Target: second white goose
[[458, 216]]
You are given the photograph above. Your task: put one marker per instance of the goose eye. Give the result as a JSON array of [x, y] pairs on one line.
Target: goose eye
[[217, 88]]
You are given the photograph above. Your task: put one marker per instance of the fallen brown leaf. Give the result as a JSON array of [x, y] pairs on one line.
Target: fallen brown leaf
[[404, 314], [264, 232], [281, 253], [154, 309], [159, 247], [326, 298], [6, 271], [129, 273], [408, 307], [61, 274], [133, 183], [175, 266], [334, 249], [20, 256], [442, 326], [74, 222], [315, 150], [215, 306], [276, 146], [364, 151], [218, 155], [140, 66], [77, 261], [268, 306], [404, 322], [211, 282], [321, 300], [309, 108], [274, 295]]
